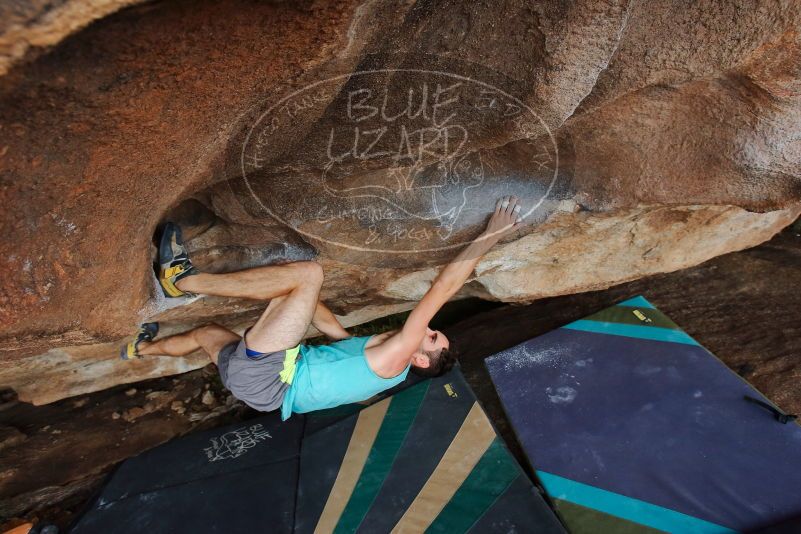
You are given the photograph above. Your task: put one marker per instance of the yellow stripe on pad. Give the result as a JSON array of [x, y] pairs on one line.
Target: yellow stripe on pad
[[361, 441], [464, 452]]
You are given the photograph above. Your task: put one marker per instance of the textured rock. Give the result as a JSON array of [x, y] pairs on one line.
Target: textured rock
[[10, 436], [645, 136], [606, 249], [208, 399], [41, 23], [612, 249]]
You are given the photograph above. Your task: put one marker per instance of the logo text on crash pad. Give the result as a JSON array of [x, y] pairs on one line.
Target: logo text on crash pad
[[235, 443]]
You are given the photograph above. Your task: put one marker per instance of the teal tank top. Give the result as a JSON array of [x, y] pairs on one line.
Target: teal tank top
[[326, 376]]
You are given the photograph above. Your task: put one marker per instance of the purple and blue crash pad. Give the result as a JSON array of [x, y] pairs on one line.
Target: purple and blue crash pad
[[632, 426], [423, 459]]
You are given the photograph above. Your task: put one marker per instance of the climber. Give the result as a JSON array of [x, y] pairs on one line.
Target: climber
[[268, 368]]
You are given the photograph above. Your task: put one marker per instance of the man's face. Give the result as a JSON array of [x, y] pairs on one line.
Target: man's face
[[434, 341]]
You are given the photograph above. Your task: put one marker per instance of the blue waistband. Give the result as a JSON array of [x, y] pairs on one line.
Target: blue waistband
[[253, 353]]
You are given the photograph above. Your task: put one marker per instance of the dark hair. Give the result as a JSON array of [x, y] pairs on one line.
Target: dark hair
[[440, 362]]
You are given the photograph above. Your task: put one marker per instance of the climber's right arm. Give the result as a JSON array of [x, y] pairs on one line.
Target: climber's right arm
[[505, 219]]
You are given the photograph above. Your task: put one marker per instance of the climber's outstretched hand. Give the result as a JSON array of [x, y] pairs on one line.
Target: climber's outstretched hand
[[506, 218]]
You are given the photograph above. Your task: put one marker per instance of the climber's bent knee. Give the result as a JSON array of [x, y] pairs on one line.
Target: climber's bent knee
[[213, 338]]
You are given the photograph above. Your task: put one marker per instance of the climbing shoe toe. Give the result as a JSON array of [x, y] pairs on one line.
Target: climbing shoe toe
[[174, 263]]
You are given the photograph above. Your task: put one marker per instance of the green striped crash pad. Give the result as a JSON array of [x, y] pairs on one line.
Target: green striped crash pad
[[424, 459], [632, 426]]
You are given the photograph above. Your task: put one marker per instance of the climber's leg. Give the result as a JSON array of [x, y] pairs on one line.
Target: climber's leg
[[293, 290], [260, 283], [286, 320], [179, 277], [211, 338]]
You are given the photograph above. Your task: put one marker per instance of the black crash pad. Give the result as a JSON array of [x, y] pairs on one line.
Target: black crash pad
[[424, 459]]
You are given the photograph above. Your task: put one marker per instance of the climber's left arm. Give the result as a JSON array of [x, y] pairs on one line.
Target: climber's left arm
[[327, 323]]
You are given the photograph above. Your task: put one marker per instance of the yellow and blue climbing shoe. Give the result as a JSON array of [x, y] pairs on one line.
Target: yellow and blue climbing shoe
[[147, 332], [174, 261]]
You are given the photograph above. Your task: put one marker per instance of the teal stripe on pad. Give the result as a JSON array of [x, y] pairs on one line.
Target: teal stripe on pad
[[629, 330], [639, 300], [628, 508]]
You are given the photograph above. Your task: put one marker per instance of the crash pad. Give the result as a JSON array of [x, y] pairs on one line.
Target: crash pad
[[632, 426], [426, 459], [212, 481], [423, 459]]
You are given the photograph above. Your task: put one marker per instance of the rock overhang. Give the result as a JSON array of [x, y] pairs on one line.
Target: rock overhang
[[669, 139]]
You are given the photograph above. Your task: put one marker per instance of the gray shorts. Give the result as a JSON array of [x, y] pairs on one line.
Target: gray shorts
[[255, 381]]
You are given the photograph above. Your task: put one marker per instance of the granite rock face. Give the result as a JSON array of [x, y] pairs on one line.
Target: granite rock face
[[374, 136], [28, 27]]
